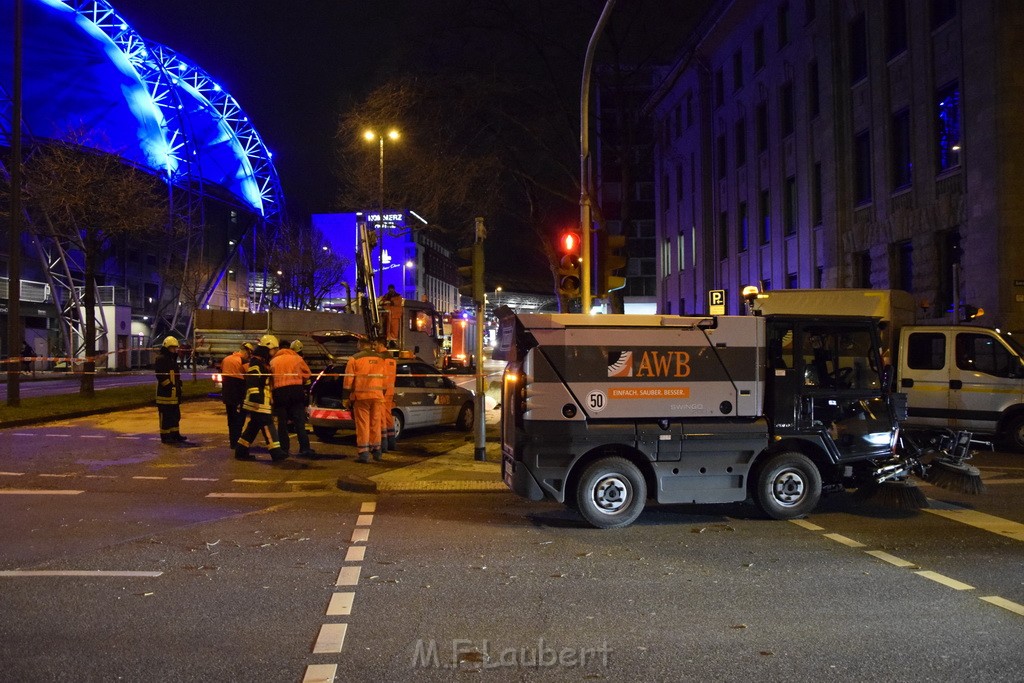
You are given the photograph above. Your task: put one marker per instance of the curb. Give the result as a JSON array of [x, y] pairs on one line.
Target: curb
[[353, 483], [27, 421]]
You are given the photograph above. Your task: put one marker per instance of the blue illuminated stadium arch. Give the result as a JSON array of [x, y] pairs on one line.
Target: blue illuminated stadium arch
[[86, 67]]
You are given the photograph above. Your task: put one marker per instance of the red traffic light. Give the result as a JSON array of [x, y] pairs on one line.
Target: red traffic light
[[569, 242]]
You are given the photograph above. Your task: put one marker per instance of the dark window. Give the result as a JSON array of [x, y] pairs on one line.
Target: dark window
[[786, 108], [682, 306], [720, 146], [719, 88], [742, 228], [983, 353], [950, 256], [813, 90], [783, 25], [926, 350], [789, 207], [765, 211], [762, 126], [759, 49], [664, 192], [677, 119], [689, 109], [741, 142], [862, 269], [947, 126], [895, 27], [679, 182], [792, 281], [904, 252], [668, 308], [942, 11], [819, 277], [810, 10], [737, 70], [766, 284], [902, 168], [723, 235], [816, 203], [862, 167], [858, 49]]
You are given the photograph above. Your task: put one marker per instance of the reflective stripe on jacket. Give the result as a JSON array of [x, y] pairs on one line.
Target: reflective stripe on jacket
[[168, 379], [257, 389], [364, 376]]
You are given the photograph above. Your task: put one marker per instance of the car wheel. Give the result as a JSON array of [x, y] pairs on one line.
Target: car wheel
[[324, 433], [465, 420], [611, 493], [788, 486], [399, 423]]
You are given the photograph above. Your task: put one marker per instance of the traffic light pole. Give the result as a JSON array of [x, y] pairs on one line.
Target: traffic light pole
[[480, 405], [588, 63]]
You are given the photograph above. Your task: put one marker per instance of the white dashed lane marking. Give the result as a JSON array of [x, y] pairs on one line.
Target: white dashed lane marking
[[348, 576], [1005, 604], [839, 538], [945, 580], [77, 572], [891, 559], [978, 520], [360, 535], [320, 673], [341, 604], [331, 639], [39, 492], [355, 554]]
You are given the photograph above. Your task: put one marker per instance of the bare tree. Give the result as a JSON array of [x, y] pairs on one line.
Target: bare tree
[[90, 197], [310, 270]]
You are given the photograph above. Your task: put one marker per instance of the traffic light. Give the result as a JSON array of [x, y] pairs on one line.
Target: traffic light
[[569, 264], [610, 258], [471, 275]]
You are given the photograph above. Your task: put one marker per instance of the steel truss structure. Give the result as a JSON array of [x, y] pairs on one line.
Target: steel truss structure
[[186, 104]]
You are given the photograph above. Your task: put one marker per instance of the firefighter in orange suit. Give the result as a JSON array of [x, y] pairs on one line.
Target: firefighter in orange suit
[[258, 407], [232, 392], [364, 386], [393, 302], [291, 386], [387, 423]]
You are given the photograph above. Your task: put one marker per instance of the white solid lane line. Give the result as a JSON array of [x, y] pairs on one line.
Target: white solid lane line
[[979, 520], [40, 492]]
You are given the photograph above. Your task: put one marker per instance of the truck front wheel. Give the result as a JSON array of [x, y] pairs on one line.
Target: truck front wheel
[[611, 493], [788, 486], [1014, 433]]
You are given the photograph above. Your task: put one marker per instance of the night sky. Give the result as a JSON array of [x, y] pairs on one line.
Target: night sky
[[292, 66]]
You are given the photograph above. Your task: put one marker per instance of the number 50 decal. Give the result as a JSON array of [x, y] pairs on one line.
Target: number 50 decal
[[596, 401]]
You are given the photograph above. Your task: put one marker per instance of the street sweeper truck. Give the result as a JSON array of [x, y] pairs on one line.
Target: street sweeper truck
[[603, 412]]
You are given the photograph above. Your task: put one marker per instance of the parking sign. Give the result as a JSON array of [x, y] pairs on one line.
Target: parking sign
[[716, 302]]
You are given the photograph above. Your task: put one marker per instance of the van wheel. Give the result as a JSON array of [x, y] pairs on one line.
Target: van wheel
[[788, 486], [611, 493], [324, 433], [1013, 434], [464, 422]]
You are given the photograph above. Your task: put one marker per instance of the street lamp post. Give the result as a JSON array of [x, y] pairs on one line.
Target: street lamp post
[[405, 290], [497, 296], [370, 136]]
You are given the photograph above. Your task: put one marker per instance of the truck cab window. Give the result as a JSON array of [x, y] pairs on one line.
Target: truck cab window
[[983, 353], [838, 359]]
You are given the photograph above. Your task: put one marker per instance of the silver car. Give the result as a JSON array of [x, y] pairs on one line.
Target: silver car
[[423, 398]]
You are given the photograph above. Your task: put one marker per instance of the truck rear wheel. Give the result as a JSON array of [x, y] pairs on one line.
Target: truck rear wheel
[[788, 486], [611, 493], [1014, 433]]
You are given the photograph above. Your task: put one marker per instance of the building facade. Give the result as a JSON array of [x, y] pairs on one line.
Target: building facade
[[868, 143]]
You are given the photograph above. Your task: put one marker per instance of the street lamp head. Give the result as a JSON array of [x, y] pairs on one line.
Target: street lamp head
[[409, 264], [393, 134], [370, 136]]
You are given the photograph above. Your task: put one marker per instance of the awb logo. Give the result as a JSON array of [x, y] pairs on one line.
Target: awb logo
[[672, 364], [620, 363]]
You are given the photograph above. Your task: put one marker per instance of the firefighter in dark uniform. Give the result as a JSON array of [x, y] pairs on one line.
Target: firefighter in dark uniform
[[258, 407], [168, 392]]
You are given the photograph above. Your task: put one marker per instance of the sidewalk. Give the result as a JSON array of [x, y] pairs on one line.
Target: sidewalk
[[456, 470]]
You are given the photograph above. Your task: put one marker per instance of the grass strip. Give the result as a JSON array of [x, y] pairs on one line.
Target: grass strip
[[60, 406]]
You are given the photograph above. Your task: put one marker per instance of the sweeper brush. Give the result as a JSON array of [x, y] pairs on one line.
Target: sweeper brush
[[904, 495], [954, 476]]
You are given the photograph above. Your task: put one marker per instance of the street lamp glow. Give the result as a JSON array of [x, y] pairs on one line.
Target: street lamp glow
[[393, 134], [371, 135]]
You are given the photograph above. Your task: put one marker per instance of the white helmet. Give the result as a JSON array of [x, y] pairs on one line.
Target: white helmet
[[170, 342], [270, 341]]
